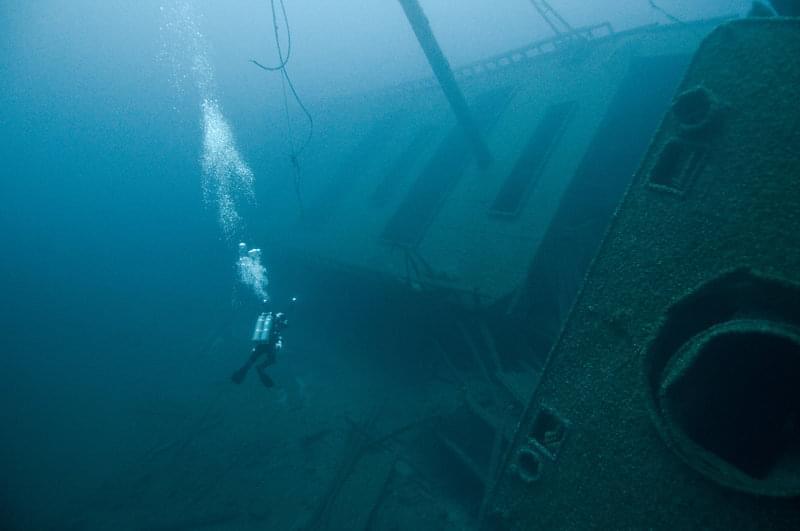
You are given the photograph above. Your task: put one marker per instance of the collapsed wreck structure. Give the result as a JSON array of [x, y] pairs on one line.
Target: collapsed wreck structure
[[608, 242]]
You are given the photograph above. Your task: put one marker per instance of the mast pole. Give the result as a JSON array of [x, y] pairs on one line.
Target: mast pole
[[447, 81]]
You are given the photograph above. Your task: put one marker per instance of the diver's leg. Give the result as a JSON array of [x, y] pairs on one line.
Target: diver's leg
[[261, 368], [238, 376]]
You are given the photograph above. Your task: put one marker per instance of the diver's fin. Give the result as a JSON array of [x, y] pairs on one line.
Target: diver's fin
[[238, 376], [265, 379]]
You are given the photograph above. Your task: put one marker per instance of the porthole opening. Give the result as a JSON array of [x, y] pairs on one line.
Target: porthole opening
[[723, 376], [693, 107], [529, 465], [738, 397]]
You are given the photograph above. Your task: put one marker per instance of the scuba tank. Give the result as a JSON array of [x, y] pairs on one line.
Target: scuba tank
[[266, 330], [263, 328]]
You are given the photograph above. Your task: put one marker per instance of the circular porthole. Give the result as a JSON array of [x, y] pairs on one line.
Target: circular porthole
[[528, 465], [695, 109], [724, 376]]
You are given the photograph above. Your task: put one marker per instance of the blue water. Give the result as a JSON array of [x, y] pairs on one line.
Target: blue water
[[125, 189], [114, 267]]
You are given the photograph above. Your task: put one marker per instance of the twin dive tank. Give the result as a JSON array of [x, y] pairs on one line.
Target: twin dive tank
[[263, 328]]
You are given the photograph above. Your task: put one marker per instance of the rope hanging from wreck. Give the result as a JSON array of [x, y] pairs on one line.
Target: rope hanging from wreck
[[286, 81], [283, 61], [664, 12]]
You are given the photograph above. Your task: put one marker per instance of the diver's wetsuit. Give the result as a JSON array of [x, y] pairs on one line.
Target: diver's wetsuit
[[259, 350]]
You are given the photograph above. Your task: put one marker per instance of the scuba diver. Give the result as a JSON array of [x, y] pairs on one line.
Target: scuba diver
[[267, 342]]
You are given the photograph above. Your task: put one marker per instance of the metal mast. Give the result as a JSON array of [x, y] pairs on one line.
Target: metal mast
[[441, 68], [556, 22]]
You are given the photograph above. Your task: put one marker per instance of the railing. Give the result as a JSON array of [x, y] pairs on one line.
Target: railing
[[534, 49]]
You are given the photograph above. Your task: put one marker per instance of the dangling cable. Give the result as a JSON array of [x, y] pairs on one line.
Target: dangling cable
[[303, 108], [294, 153], [283, 61], [665, 13]]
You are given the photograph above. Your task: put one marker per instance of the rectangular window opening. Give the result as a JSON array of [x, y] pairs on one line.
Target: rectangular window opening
[[529, 166], [416, 212], [677, 165], [549, 431]]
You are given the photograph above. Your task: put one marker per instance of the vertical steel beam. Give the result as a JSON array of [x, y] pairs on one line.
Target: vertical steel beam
[[441, 68]]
